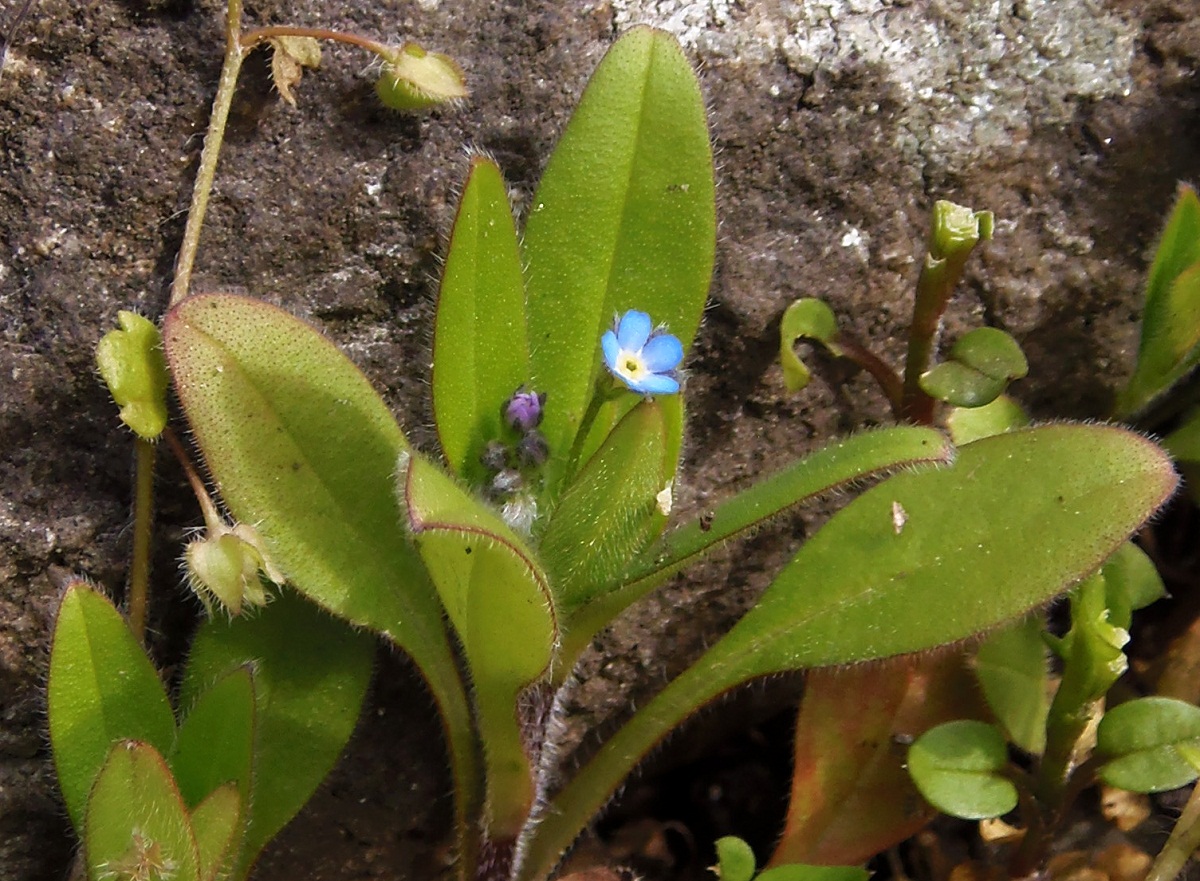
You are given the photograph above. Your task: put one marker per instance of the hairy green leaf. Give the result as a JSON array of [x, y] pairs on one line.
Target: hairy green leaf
[[137, 825], [479, 353], [611, 510], [303, 448], [1017, 519], [216, 740], [623, 218], [310, 676], [103, 689], [498, 600], [216, 822]]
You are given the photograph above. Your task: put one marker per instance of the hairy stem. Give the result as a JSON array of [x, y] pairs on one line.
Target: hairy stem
[[143, 530], [235, 54]]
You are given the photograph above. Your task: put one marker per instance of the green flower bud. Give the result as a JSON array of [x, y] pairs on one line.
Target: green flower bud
[[131, 363], [956, 230]]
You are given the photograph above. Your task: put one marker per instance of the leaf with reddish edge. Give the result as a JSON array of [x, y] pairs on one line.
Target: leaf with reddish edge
[[851, 795], [498, 599]]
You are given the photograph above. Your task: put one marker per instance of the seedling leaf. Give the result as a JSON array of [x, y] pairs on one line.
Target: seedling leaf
[[1148, 744], [810, 319], [957, 767]]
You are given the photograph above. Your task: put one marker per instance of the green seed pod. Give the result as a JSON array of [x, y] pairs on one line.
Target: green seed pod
[[414, 80]]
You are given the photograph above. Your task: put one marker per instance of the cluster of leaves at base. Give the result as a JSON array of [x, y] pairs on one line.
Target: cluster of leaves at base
[[265, 706]]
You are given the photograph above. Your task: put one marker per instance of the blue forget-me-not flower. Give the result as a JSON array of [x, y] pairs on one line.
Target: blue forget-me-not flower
[[643, 358]]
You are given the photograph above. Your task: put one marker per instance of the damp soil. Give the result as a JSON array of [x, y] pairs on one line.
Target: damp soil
[[338, 211]]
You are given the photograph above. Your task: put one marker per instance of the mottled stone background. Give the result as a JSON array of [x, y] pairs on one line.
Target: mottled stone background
[[836, 125]]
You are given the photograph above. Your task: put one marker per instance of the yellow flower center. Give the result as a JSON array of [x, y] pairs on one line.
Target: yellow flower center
[[631, 366]]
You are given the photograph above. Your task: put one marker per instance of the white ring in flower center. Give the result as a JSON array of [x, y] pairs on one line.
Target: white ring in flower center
[[631, 366]]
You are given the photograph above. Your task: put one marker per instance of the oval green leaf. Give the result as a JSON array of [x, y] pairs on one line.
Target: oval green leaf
[[310, 676], [137, 825], [957, 767], [303, 448], [980, 366], [103, 689], [479, 352], [1144, 742], [624, 218], [1017, 519], [1013, 670]]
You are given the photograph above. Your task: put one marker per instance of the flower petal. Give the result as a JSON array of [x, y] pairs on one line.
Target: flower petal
[[611, 348], [662, 353], [633, 330], [657, 384]]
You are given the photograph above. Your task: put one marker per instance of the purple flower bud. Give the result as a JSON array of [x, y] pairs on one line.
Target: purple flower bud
[[523, 412], [533, 450], [494, 456]]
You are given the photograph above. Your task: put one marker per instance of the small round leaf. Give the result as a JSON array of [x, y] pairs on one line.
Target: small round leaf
[[735, 859], [1147, 742], [956, 767]]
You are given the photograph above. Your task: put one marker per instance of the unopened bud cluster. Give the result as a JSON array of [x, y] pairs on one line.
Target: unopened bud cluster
[[511, 464]]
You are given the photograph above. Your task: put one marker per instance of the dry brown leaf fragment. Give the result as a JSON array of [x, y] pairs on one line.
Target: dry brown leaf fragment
[[1124, 862], [1125, 810], [290, 55]]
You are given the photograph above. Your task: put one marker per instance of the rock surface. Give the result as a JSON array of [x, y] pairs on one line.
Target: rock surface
[[836, 124]]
